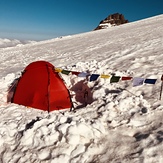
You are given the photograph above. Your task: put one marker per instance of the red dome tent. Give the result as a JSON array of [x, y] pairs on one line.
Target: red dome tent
[[41, 87]]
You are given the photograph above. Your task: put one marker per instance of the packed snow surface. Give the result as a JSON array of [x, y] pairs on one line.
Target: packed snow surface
[[120, 123]]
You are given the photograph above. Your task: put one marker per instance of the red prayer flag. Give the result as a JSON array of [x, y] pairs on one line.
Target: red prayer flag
[[75, 73], [126, 78]]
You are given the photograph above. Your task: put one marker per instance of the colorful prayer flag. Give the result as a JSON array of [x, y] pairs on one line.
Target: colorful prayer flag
[[126, 78], [75, 73], [94, 77], [114, 79], [58, 70], [105, 76], [150, 81], [65, 72], [137, 81], [83, 74]]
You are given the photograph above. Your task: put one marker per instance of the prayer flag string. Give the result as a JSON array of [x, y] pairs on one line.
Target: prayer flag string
[[137, 81]]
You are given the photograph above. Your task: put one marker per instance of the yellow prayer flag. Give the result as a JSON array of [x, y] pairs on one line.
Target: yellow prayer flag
[[58, 70], [105, 76]]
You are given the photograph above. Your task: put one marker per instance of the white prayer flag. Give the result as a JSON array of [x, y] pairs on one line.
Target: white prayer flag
[[138, 81], [83, 74]]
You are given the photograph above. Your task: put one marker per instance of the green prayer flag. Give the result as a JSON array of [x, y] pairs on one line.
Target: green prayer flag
[[114, 79], [65, 72]]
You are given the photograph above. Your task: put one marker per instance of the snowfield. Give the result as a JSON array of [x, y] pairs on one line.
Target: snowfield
[[119, 124]]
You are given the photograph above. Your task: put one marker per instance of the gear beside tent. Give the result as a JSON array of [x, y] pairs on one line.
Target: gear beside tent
[[40, 87]]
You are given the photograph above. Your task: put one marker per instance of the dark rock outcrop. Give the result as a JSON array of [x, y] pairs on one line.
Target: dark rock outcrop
[[112, 20]]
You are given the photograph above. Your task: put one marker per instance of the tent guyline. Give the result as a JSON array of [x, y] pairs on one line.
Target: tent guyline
[[113, 78]]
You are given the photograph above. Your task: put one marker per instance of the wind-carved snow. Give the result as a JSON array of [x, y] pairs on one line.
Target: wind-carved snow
[[117, 123]]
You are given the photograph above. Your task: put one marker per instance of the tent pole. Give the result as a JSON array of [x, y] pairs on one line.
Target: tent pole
[[161, 90], [161, 86]]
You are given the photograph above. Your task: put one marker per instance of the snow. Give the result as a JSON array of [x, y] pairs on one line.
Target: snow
[[106, 25], [120, 123]]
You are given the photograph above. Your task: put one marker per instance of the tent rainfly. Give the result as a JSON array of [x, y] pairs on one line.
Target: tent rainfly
[[40, 87]]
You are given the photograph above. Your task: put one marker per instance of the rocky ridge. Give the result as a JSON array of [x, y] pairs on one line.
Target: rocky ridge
[[112, 20]]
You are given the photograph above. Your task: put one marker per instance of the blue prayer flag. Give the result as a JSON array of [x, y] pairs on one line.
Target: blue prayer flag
[[150, 81], [94, 77]]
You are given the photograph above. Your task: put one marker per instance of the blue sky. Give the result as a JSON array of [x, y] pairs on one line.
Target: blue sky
[[46, 19]]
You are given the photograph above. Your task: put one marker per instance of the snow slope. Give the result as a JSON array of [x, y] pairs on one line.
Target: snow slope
[[120, 123]]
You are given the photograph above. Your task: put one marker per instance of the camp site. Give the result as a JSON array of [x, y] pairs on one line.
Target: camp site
[[93, 97]]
